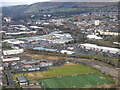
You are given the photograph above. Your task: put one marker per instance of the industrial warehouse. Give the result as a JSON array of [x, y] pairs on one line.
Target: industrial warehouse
[[52, 38], [100, 48]]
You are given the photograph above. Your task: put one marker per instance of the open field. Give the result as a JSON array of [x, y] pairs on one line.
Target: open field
[[74, 81], [30, 76], [34, 87], [55, 56], [14, 76], [66, 70], [39, 75], [40, 56], [102, 86]]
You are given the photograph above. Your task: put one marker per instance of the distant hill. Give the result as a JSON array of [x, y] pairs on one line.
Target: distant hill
[[56, 7]]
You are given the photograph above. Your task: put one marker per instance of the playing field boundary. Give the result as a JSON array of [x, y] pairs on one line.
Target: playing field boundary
[[91, 84], [68, 76]]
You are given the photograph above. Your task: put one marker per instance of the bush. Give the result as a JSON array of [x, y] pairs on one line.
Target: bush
[[16, 84]]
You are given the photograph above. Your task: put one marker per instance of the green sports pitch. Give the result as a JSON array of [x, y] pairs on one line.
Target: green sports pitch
[[74, 81]]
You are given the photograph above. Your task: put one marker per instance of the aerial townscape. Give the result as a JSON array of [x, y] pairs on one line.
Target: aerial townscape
[[60, 45]]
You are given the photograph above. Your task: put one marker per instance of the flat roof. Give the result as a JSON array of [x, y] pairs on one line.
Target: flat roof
[[22, 79], [47, 49]]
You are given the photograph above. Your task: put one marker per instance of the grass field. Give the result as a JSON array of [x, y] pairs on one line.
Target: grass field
[[74, 81], [64, 71]]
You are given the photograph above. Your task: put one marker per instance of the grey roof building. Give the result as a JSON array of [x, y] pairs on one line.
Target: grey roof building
[[22, 79]]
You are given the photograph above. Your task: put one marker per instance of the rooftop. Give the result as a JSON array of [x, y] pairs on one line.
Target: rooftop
[[21, 79]]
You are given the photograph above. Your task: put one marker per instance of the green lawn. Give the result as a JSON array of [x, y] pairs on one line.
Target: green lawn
[[74, 81], [67, 71], [14, 76]]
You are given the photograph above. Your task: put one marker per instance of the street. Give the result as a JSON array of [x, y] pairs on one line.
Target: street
[[9, 77]]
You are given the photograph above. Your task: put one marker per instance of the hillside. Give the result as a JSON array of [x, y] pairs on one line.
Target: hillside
[[55, 7]]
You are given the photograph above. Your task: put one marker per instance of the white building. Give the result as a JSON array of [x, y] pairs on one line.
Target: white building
[[36, 27], [46, 64], [18, 33], [46, 23], [1, 68], [97, 22], [7, 19], [12, 52], [10, 59], [70, 48], [109, 33], [17, 26], [13, 41], [60, 41], [93, 37], [67, 52], [99, 48]]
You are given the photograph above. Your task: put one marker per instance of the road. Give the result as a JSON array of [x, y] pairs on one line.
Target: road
[[9, 77]]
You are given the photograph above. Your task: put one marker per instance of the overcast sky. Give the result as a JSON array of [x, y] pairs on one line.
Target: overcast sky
[[23, 1], [19, 2]]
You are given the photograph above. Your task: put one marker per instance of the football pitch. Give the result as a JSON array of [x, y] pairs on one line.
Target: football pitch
[[74, 81]]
